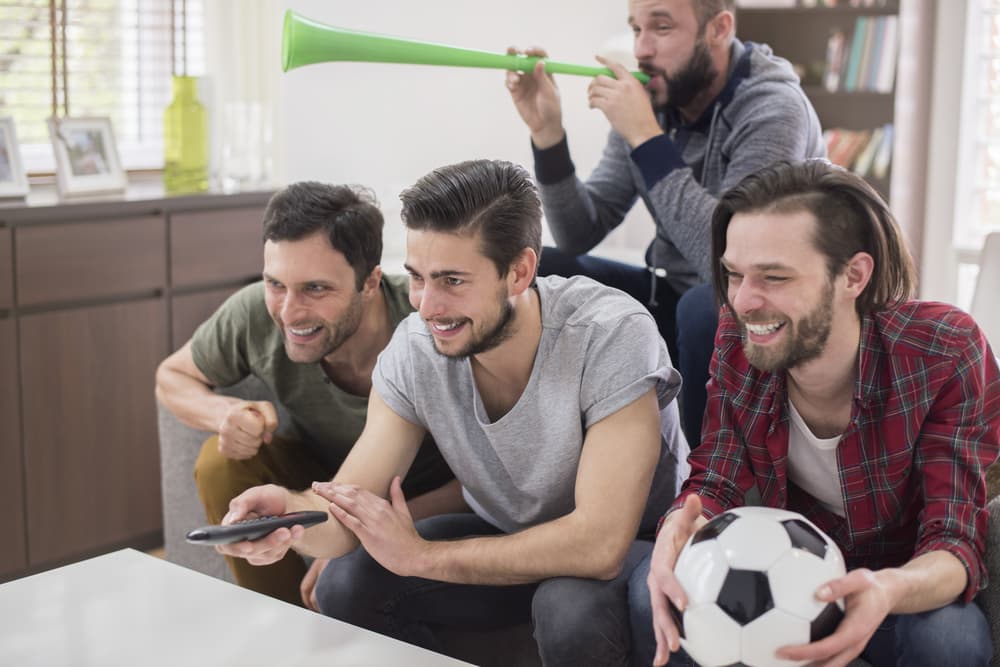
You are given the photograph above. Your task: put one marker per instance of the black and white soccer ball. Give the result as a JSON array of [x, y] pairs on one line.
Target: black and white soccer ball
[[750, 575]]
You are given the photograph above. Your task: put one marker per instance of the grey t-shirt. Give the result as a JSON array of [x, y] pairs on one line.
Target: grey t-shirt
[[599, 352]]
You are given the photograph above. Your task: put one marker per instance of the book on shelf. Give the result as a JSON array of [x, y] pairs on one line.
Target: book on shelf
[[865, 60], [835, 46], [865, 152], [885, 79], [883, 157], [853, 67]]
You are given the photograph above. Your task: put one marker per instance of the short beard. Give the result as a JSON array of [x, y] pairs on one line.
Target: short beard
[[696, 76], [811, 334], [338, 333], [500, 332]]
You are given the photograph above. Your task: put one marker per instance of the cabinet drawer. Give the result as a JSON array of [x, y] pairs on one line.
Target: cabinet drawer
[[190, 310], [90, 259], [6, 270], [216, 246]]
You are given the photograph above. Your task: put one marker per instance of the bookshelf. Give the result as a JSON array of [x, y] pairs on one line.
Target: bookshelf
[[851, 83]]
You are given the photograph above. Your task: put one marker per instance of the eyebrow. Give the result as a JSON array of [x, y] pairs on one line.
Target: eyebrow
[[444, 273], [655, 14], [313, 281], [765, 266]]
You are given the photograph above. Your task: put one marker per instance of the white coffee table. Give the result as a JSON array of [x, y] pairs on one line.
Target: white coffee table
[[129, 608]]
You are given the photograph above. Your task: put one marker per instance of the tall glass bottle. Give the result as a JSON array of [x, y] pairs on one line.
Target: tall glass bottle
[[185, 139]]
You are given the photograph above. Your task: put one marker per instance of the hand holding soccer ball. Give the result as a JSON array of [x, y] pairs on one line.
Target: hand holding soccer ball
[[750, 577]]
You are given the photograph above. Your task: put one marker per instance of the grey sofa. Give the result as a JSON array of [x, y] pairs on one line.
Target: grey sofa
[[182, 511]]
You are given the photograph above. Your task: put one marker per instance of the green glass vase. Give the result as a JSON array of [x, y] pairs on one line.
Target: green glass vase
[[185, 139]]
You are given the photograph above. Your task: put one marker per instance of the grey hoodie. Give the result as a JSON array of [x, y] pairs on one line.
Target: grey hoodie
[[760, 117]]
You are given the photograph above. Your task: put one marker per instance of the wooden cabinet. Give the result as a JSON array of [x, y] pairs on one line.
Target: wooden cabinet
[[6, 270], [190, 310], [91, 464], [93, 295], [216, 246], [90, 259], [802, 35], [13, 551]]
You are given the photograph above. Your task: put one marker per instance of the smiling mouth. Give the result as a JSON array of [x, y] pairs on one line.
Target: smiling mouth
[[445, 327], [304, 332], [763, 329]]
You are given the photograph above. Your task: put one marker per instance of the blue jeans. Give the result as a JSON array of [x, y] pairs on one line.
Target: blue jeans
[[576, 621], [957, 634], [687, 322]]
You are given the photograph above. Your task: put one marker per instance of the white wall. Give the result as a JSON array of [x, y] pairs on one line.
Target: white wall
[[385, 125]]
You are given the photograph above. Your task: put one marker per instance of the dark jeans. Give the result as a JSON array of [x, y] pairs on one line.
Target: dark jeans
[[957, 634], [687, 322], [576, 621]]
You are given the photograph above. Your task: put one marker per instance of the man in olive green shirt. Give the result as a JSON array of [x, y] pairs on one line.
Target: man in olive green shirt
[[310, 331]]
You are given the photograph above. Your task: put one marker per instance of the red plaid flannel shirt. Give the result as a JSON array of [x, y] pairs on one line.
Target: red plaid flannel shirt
[[924, 426]]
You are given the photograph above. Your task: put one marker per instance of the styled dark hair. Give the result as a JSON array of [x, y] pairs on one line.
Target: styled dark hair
[[347, 214], [850, 215], [493, 200]]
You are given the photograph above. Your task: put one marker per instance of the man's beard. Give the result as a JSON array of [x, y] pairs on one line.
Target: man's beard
[[337, 333], [497, 334], [809, 337], [696, 76]]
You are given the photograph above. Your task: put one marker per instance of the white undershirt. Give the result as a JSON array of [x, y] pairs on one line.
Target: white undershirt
[[812, 463]]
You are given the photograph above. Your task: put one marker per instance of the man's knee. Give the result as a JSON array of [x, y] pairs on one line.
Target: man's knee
[[954, 635], [343, 584], [212, 475], [580, 621]]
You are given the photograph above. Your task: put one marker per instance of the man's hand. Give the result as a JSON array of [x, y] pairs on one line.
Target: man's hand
[[867, 602], [268, 500], [625, 103], [307, 589], [536, 99], [385, 528], [674, 533], [246, 425]]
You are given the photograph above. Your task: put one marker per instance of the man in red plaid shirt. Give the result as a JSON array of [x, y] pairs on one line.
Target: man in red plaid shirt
[[834, 395]]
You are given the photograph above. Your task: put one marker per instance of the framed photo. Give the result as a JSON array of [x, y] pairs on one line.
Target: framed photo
[[13, 179], [87, 159]]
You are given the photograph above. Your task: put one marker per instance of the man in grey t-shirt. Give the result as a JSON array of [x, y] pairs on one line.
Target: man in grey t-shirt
[[551, 400]]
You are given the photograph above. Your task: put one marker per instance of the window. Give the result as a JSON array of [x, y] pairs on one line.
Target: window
[[96, 58], [978, 200]]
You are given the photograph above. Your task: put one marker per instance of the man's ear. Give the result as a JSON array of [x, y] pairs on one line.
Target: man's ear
[[719, 29], [522, 271], [858, 273], [373, 281]]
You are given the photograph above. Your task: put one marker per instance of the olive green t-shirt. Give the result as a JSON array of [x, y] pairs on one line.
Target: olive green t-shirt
[[240, 339]]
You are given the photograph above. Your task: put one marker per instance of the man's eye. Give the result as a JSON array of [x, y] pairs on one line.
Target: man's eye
[[453, 282], [775, 279]]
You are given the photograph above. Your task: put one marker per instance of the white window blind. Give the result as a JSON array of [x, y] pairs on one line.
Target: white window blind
[[978, 187], [96, 58]]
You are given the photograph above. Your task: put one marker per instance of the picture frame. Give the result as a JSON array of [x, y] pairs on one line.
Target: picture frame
[[87, 160], [13, 178]]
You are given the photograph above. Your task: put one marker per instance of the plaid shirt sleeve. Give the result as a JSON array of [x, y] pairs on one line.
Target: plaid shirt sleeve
[[720, 468], [959, 439]]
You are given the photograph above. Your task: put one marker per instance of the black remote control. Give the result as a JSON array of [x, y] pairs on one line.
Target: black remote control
[[253, 529]]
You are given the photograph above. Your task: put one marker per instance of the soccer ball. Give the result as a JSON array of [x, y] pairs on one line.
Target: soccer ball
[[750, 575]]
